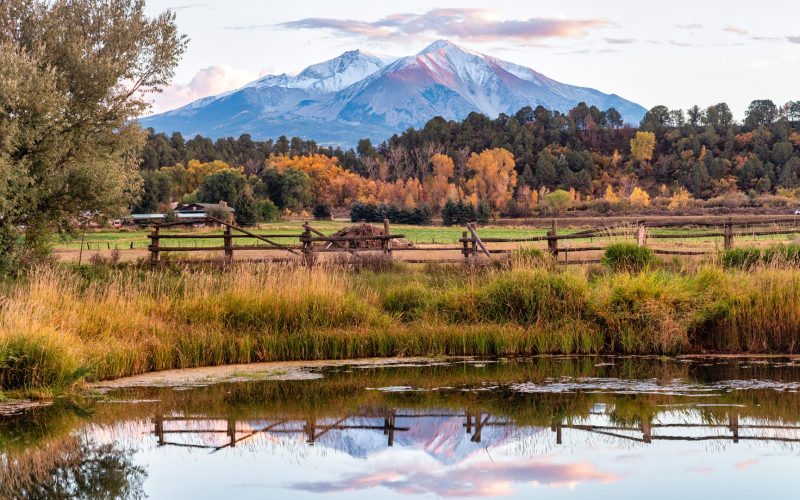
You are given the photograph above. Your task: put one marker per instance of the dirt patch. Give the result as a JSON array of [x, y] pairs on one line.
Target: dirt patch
[[280, 370]]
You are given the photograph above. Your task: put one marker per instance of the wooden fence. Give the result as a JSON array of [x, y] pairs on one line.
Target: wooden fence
[[307, 245], [473, 245]]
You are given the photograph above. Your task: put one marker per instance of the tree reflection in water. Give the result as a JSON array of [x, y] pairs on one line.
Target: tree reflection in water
[[72, 468]]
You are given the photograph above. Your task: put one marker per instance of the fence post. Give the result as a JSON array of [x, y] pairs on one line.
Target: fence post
[[468, 250], [552, 242], [154, 244], [228, 245], [387, 242], [727, 235], [308, 245], [641, 236]]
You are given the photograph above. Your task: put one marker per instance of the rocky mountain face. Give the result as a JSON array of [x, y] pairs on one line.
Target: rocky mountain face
[[359, 95]]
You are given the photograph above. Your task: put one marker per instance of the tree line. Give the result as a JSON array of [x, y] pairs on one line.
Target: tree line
[[549, 161]]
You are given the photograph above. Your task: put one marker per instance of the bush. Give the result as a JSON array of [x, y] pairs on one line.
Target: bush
[[321, 212], [458, 213], [749, 257], [367, 212], [268, 211], [741, 258], [627, 257]]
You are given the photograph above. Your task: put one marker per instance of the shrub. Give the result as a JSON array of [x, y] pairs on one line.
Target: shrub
[[366, 212], [741, 258], [627, 257], [321, 212], [268, 211], [749, 257], [532, 257], [458, 213]]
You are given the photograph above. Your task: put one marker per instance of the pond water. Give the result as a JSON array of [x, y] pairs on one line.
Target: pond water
[[544, 427]]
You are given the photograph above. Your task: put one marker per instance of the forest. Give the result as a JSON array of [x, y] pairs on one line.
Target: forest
[[534, 161]]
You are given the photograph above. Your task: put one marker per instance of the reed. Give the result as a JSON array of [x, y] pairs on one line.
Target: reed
[[60, 326]]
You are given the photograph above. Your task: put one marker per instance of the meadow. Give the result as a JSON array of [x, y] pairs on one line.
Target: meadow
[[62, 325]]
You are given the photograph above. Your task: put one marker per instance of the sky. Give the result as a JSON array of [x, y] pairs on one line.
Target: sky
[[677, 52]]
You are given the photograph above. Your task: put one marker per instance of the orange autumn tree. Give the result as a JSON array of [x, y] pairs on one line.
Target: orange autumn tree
[[330, 183], [494, 177], [438, 187]]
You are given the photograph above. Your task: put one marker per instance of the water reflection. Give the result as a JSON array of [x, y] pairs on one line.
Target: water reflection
[[550, 427]]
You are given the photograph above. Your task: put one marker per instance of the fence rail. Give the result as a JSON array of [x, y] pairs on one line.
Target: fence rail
[[311, 242]]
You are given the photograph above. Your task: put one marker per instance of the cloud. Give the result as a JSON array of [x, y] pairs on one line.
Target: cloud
[[208, 81], [793, 39], [190, 6], [475, 479], [746, 464], [466, 24], [620, 41], [693, 26], [736, 30]]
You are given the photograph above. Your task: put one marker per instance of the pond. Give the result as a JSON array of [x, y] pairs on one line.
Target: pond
[[551, 427]]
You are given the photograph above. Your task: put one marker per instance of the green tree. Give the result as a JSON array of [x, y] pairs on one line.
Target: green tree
[[760, 112], [558, 201], [224, 185], [246, 207], [73, 76], [290, 188]]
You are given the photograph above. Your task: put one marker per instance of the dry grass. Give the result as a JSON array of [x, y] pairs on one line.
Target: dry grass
[[59, 327]]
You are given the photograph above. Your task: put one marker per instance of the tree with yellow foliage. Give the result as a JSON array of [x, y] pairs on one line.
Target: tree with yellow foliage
[[438, 186], [642, 146], [639, 197], [494, 177], [610, 196], [680, 199], [185, 180], [527, 198]]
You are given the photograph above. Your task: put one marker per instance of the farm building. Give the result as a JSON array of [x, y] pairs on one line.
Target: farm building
[[198, 211]]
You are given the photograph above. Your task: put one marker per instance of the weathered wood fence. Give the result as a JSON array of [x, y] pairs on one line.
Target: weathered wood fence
[[307, 246], [311, 242], [473, 245]]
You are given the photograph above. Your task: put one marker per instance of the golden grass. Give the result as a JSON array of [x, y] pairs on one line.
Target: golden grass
[[58, 327]]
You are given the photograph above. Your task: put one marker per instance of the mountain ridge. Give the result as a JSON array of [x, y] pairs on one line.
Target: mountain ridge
[[358, 95]]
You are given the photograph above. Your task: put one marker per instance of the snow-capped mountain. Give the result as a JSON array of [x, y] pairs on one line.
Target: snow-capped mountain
[[357, 95]]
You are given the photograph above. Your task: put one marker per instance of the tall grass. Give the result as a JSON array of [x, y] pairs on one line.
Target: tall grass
[[59, 327]]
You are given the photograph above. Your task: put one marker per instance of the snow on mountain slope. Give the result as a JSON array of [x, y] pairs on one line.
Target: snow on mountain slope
[[357, 95]]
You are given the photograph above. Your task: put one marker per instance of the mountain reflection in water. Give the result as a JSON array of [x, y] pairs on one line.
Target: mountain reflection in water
[[553, 427]]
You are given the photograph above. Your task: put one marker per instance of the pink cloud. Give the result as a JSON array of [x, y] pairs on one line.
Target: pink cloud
[[746, 464], [208, 81], [466, 24], [793, 39], [484, 478]]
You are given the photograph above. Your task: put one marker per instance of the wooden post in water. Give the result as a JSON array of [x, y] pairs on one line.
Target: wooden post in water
[[646, 432], [232, 431], [552, 242], [727, 235], [387, 242], [159, 429], [311, 431], [154, 243], [734, 426], [390, 425], [228, 244], [469, 423]]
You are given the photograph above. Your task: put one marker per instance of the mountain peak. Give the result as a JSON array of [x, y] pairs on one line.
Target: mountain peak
[[441, 44], [358, 94]]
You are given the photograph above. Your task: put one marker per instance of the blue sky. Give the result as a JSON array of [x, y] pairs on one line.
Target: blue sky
[[677, 53]]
